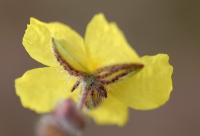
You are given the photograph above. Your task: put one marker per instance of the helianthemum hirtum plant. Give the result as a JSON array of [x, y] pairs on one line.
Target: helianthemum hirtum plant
[[100, 72]]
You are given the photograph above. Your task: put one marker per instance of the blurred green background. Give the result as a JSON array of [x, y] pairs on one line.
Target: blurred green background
[[152, 26]]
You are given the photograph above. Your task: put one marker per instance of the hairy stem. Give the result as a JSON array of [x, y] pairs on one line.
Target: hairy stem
[[84, 95]]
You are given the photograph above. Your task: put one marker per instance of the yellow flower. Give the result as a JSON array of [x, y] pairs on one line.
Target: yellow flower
[[132, 82]]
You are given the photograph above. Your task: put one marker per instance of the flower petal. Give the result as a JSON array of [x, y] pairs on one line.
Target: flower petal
[[106, 44], [111, 111], [150, 87], [37, 42], [70, 44], [40, 89]]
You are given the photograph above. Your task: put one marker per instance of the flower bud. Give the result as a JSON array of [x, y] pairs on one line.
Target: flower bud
[[65, 120]]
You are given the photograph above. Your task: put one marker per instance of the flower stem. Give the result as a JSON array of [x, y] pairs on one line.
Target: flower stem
[[83, 95]]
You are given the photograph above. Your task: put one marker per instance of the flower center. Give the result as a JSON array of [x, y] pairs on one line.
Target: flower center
[[93, 85]]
